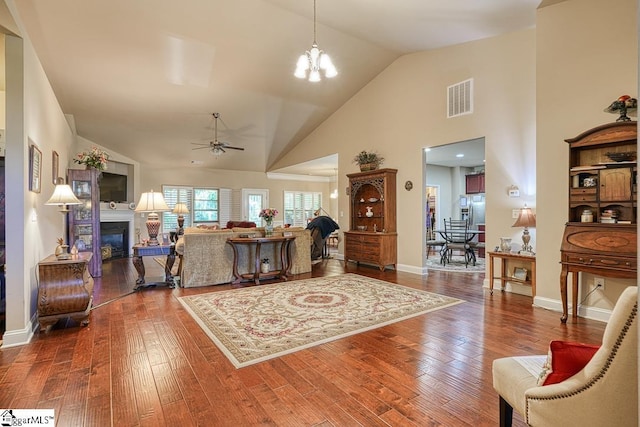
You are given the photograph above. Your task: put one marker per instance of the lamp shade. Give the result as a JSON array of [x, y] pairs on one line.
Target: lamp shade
[[180, 208], [526, 218], [152, 202], [63, 196]]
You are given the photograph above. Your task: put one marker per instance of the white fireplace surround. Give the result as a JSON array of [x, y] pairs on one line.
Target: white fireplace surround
[[121, 213]]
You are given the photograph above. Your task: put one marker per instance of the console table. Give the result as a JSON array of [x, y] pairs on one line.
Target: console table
[[529, 277], [140, 251], [285, 257], [65, 289]]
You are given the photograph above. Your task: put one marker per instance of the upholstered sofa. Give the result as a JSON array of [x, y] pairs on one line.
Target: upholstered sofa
[[207, 259]]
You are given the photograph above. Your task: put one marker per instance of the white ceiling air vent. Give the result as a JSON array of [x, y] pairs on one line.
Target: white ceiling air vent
[[460, 99]]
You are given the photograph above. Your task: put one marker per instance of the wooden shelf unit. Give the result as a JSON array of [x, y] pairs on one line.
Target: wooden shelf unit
[[598, 184], [84, 219], [373, 239]]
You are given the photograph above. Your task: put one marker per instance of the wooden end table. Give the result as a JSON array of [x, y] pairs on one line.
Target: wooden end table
[[505, 277], [140, 251]]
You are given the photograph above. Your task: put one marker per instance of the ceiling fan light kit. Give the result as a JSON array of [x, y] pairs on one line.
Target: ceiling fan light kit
[[314, 60], [216, 148]]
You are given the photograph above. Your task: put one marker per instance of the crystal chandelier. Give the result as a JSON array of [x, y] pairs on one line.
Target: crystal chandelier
[[314, 60]]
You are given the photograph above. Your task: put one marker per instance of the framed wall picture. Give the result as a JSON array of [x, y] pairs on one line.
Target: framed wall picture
[[55, 164], [520, 273], [35, 168]]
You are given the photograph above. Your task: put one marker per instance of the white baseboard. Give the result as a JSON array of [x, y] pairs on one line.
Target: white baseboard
[[21, 336], [594, 313]]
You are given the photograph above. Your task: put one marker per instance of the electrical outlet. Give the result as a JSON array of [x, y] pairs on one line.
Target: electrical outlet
[[598, 282]]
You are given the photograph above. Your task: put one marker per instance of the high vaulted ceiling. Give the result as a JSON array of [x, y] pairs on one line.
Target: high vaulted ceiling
[[143, 77]]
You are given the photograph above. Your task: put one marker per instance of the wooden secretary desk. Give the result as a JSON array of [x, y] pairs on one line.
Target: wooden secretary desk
[[602, 190]]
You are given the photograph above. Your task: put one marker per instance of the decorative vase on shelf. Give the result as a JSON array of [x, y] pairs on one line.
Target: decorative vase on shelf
[[369, 212], [268, 228], [505, 244]]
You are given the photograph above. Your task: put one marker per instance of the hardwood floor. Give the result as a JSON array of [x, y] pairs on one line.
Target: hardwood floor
[[144, 361]]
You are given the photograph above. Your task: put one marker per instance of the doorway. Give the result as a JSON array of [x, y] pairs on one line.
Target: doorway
[[253, 201], [447, 196]]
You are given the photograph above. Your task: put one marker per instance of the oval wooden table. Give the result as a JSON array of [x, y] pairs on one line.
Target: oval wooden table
[[285, 257]]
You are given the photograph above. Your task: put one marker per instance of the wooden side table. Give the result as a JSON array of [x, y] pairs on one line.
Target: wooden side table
[[65, 289], [529, 277], [285, 257], [140, 251]]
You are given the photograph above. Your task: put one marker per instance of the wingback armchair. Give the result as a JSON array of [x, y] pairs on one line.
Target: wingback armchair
[[603, 393]]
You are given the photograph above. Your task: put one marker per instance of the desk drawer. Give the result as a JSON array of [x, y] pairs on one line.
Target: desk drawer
[[599, 261]]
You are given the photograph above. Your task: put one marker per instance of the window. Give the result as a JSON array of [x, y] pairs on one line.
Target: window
[[205, 205], [300, 206], [202, 204], [173, 195]]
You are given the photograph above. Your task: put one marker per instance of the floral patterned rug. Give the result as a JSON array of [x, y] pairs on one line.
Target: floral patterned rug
[[456, 265], [258, 323]]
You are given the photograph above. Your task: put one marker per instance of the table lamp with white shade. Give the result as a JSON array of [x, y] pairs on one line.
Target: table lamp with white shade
[[63, 196], [526, 219], [153, 203], [180, 209]]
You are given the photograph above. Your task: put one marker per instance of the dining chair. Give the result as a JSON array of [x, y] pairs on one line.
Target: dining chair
[[458, 238]]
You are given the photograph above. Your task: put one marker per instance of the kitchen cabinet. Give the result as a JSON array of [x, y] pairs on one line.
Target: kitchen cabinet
[[474, 183]]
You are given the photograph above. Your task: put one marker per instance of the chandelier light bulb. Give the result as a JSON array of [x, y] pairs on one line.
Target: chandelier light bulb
[[314, 76]]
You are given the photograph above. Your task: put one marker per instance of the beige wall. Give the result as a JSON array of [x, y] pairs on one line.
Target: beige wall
[[32, 115], [587, 56], [403, 110]]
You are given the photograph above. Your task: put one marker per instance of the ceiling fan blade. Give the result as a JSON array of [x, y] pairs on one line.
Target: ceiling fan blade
[[201, 143], [200, 148], [234, 148]]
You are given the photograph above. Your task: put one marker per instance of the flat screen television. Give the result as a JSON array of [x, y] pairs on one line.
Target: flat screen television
[[113, 187]]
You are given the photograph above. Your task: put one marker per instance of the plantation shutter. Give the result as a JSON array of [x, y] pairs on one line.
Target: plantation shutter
[[300, 206], [173, 195]]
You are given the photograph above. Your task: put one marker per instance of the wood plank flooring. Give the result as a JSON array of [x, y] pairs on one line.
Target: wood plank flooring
[[144, 361]]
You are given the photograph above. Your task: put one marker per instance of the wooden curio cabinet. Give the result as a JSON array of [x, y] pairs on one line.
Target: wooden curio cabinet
[[601, 236], [84, 219], [372, 237], [598, 184]]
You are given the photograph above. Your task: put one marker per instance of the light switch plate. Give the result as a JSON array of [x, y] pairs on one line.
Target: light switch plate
[[515, 213]]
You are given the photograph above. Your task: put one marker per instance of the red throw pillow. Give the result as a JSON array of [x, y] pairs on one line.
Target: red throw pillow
[[565, 359]]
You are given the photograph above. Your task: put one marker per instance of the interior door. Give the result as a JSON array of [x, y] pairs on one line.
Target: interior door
[[253, 201]]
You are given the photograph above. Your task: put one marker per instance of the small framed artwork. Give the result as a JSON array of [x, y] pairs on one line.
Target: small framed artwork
[[520, 273], [35, 168], [55, 164]]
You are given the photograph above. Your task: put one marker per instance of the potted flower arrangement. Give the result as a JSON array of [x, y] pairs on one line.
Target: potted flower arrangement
[[268, 214], [368, 160], [95, 158]]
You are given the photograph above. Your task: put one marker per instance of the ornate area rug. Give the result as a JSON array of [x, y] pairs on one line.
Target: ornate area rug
[[258, 323], [456, 264]]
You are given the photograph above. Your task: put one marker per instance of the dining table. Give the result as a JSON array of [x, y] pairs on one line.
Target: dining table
[[470, 235]]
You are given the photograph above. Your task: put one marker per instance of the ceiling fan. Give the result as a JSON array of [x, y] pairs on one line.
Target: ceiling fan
[[216, 147]]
